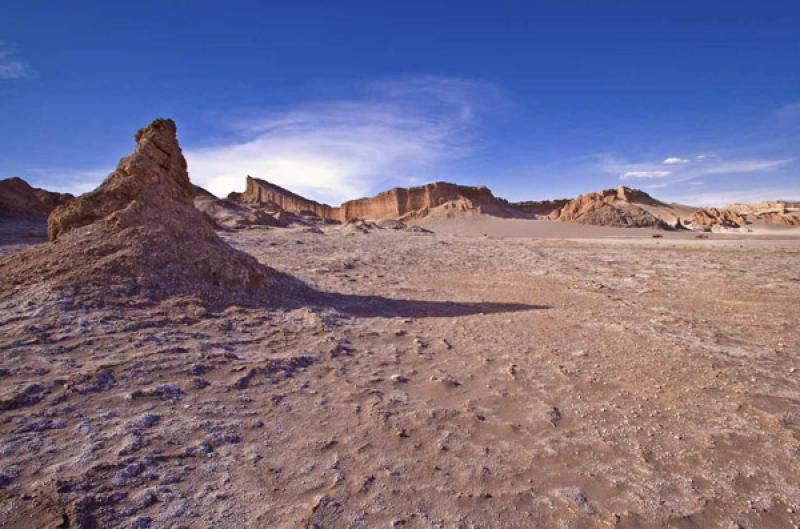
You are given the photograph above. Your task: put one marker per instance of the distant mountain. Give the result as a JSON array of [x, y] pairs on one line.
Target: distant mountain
[[19, 199], [265, 203]]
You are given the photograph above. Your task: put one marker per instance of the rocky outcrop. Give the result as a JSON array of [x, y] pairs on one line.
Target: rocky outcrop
[[622, 207], [265, 193], [436, 199], [226, 214], [541, 208], [713, 219], [139, 232], [18, 199], [770, 211]]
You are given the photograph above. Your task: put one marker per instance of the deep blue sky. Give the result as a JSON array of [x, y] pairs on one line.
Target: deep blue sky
[[344, 100]]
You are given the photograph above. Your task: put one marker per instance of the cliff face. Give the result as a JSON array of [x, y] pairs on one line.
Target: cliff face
[[19, 199], [262, 192], [431, 199]]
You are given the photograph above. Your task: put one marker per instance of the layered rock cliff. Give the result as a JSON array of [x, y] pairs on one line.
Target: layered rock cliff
[[440, 198], [262, 192], [20, 200]]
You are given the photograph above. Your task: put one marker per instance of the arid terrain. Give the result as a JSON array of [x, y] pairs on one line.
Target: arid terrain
[[484, 372], [422, 380]]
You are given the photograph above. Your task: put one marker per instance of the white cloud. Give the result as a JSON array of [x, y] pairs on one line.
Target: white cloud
[[10, 67], [339, 149], [708, 166], [674, 160], [644, 174]]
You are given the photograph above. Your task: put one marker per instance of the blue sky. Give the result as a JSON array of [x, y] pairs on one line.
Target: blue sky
[[697, 102]]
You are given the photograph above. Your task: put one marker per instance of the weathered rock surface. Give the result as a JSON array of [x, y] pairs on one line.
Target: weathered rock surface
[[18, 199], [265, 193], [541, 208], [711, 219], [438, 199], [138, 232], [770, 211], [622, 207], [226, 214]]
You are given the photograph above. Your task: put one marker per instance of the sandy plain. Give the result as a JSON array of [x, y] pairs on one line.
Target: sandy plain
[[591, 378]]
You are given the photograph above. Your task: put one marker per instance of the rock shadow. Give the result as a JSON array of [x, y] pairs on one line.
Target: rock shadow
[[293, 293]]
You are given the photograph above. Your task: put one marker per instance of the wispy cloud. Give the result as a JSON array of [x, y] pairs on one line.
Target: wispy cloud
[[63, 180], [721, 198], [674, 160], [687, 170], [11, 67], [335, 150], [644, 174]]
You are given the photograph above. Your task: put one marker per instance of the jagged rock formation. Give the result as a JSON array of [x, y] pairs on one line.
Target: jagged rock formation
[[770, 211], [226, 214], [541, 208], [713, 219], [265, 193], [622, 207], [438, 199], [139, 233], [18, 199]]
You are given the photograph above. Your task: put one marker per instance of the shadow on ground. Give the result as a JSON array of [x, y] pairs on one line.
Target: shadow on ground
[[293, 293]]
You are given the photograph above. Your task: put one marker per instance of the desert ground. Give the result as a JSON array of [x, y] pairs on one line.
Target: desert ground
[[518, 379]]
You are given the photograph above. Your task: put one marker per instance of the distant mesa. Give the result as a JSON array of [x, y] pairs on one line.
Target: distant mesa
[[261, 192], [440, 199], [18, 199], [139, 233]]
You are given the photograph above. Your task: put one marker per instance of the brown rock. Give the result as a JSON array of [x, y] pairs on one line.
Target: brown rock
[[623, 207], [440, 198], [541, 208], [139, 231], [19, 200], [262, 192], [713, 218]]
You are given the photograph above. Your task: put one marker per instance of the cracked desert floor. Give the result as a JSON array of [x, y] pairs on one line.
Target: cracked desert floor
[[420, 380]]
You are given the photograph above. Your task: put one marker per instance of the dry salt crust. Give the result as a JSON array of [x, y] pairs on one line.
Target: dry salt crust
[[420, 381]]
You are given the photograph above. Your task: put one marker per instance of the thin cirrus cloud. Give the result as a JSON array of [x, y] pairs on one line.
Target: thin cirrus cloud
[[674, 160], [335, 150], [686, 170], [644, 174], [11, 67]]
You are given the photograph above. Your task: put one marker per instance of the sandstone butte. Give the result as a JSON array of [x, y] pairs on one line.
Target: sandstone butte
[[139, 231], [398, 203]]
